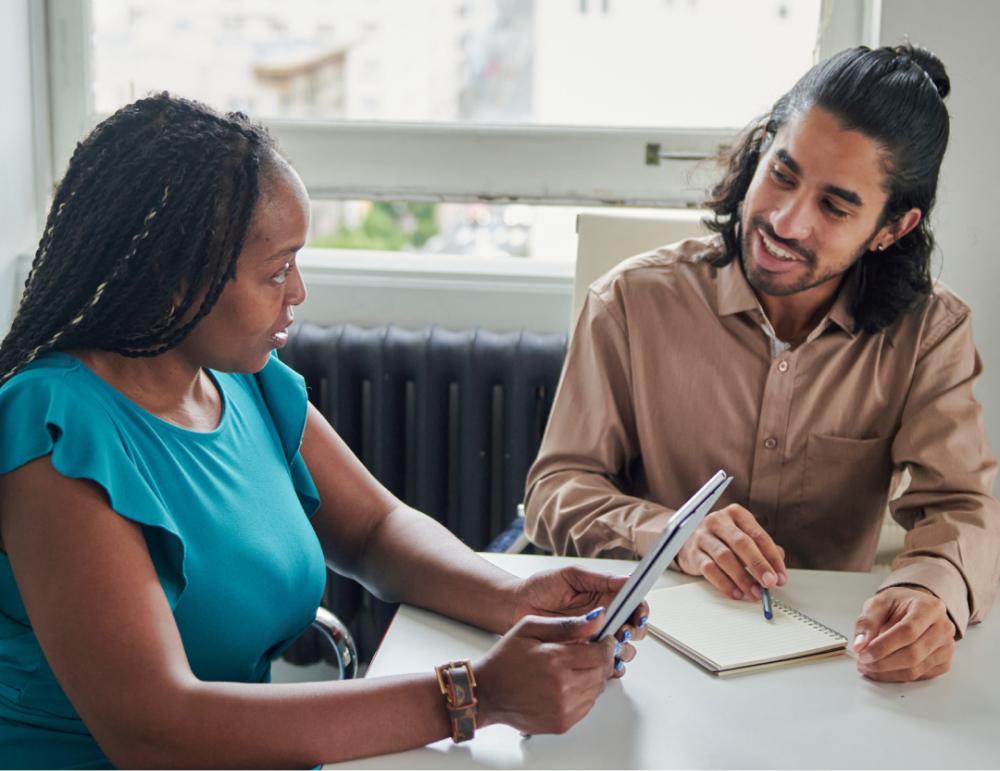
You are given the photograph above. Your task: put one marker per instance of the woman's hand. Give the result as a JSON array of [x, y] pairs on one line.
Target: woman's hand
[[574, 591], [545, 674]]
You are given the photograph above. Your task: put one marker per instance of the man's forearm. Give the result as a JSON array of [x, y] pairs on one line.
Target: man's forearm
[[951, 550], [582, 513]]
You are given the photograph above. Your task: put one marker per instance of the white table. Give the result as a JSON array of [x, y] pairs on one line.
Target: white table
[[669, 713]]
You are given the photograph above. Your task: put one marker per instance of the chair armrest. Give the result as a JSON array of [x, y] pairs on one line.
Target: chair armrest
[[339, 638]]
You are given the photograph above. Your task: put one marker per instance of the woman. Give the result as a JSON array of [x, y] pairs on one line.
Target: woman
[[168, 497]]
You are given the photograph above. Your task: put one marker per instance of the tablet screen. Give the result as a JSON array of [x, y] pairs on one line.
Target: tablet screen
[[678, 529]]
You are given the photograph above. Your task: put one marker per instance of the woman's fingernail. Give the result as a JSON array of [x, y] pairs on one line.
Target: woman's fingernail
[[618, 648], [594, 613], [768, 578], [643, 620], [860, 638], [737, 594], [627, 635], [619, 665]]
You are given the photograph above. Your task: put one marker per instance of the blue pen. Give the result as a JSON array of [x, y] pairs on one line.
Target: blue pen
[[765, 600]]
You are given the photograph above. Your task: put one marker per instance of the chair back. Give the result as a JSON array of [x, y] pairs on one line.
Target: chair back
[[604, 240]]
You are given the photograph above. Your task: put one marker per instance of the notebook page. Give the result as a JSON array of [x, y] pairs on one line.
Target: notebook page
[[727, 633]]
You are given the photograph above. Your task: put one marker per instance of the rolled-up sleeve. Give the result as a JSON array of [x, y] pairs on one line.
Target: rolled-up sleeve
[[575, 502], [952, 546]]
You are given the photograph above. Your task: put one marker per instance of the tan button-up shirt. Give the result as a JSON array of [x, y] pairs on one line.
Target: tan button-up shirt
[[673, 373]]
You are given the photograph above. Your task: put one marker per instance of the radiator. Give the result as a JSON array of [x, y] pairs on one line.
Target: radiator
[[448, 421]]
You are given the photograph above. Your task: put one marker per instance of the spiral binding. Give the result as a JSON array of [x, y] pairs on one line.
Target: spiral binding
[[800, 616]]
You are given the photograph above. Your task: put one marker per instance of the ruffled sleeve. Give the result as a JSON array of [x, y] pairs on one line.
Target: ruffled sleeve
[[46, 410], [284, 393]]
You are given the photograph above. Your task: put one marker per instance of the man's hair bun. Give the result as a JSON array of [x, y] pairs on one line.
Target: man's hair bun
[[929, 63]]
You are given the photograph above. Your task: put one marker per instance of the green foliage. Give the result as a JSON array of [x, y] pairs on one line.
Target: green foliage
[[388, 226]]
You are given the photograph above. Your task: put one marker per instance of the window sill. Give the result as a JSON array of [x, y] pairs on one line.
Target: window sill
[[413, 290], [413, 269]]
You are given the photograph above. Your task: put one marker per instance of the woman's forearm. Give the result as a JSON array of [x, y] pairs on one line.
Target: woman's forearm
[[399, 553], [239, 725], [453, 580]]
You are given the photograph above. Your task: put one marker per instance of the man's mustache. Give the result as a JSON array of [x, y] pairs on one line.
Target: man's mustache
[[757, 222]]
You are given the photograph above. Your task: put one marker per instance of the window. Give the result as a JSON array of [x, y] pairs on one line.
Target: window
[[500, 104], [647, 63], [482, 229]]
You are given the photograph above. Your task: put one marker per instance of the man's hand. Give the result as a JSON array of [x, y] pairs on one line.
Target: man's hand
[[725, 546], [904, 634]]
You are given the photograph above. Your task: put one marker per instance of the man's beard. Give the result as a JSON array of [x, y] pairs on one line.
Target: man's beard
[[762, 281]]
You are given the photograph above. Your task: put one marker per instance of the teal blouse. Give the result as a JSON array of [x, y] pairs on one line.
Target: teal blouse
[[225, 517]]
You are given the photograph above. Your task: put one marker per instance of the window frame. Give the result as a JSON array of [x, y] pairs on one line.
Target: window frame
[[604, 167], [454, 162]]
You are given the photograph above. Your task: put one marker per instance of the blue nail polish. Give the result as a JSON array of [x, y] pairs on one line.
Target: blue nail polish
[[619, 665], [618, 648], [594, 613], [643, 620], [627, 635]]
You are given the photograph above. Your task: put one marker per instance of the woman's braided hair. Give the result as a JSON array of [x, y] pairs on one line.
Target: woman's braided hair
[[144, 232]]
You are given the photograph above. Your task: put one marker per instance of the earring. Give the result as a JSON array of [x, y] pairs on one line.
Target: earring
[[881, 247]]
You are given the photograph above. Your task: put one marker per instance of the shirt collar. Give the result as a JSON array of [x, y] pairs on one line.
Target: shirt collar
[[735, 295], [734, 292], [840, 312]]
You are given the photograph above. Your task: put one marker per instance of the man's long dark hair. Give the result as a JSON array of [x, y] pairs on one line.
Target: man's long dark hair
[[144, 232], [895, 97]]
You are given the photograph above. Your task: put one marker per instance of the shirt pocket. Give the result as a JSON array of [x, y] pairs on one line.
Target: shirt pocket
[[845, 488]]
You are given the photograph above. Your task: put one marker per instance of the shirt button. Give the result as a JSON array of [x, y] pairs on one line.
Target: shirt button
[[770, 443], [782, 366]]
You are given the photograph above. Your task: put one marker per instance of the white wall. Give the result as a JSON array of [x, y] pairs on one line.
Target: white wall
[[963, 35], [375, 288], [19, 225]]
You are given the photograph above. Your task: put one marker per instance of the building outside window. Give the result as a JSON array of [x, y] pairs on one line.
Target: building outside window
[[459, 127]]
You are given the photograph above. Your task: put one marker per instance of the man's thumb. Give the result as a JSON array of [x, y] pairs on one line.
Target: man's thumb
[[869, 623]]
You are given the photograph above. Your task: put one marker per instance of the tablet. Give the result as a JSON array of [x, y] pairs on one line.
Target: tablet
[[678, 529]]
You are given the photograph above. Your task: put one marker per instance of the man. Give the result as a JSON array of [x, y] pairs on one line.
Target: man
[[806, 350]]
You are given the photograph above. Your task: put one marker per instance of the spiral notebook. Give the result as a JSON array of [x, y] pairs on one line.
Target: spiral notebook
[[731, 637]]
